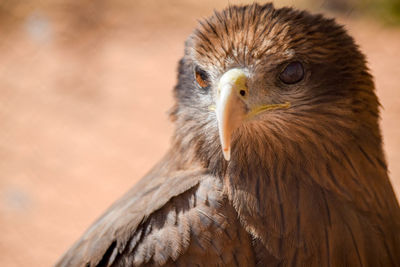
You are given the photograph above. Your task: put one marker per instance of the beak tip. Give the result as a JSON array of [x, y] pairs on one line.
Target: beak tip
[[227, 154]]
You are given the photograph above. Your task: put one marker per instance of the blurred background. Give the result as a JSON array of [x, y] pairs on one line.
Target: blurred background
[[84, 90]]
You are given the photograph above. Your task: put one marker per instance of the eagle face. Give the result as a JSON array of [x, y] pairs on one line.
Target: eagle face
[[255, 75]]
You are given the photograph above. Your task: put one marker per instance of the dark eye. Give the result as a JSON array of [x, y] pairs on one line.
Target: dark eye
[[202, 78], [293, 73]]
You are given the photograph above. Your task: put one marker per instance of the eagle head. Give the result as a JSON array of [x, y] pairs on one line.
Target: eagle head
[[256, 80]]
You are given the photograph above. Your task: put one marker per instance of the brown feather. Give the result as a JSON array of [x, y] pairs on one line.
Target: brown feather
[[305, 186]]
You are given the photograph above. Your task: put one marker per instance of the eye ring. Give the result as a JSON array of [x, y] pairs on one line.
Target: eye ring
[[292, 73], [202, 78]]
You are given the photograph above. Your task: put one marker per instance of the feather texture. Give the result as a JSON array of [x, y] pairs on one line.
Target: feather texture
[[305, 186]]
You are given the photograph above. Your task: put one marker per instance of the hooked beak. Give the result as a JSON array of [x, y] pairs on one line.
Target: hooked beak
[[231, 109]]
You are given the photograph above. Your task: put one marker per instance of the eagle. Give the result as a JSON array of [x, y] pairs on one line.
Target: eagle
[[276, 158]]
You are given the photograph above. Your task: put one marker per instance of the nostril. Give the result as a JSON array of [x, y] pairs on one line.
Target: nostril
[[242, 92]]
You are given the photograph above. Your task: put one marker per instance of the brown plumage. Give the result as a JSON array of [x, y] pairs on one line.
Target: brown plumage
[[301, 179]]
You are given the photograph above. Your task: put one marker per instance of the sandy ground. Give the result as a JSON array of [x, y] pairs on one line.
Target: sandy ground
[[83, 112]]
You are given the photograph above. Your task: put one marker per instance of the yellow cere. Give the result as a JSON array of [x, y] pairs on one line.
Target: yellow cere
[[235, 77], [240, 82]]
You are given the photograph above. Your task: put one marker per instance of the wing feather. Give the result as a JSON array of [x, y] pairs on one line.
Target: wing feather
[[117, 228]]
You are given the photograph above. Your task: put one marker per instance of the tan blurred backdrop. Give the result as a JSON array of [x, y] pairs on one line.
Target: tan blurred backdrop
[[84, 90]]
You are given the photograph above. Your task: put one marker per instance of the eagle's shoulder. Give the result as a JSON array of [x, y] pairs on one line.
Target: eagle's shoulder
[[174, 217], [118, 227]]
